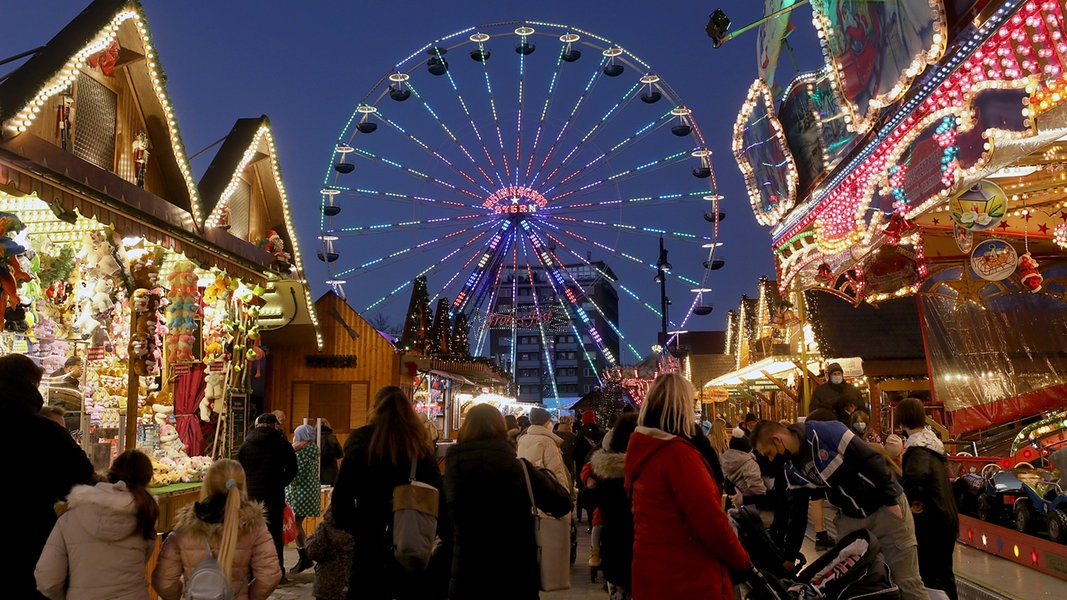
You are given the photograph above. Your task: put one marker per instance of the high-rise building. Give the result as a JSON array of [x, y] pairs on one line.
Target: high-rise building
[[539, 336]]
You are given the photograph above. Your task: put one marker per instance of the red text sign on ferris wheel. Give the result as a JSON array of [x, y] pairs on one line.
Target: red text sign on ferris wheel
[[515, 195]]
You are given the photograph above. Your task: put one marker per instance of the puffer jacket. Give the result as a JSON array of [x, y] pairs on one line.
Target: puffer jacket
[[331, 548], [741, 469], [96, 549], [542, 448], [679, 526], [617, 535], [184, 549]]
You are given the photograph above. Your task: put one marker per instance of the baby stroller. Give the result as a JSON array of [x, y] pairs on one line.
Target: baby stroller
[[852, 569]]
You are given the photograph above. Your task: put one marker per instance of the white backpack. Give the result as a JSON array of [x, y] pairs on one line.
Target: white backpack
[[208, 582]]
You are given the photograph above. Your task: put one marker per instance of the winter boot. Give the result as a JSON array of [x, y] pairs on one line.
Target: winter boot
[[303, 564], [594, 558], [823, 541]]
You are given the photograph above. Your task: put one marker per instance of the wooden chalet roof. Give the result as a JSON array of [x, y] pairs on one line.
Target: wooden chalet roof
[[50, 70], [888, 331]]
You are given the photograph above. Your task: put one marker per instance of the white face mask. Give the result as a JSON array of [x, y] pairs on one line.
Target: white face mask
[[860, 427], [836, 379]]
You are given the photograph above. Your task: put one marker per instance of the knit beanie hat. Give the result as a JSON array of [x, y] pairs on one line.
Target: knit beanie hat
[[539, 416], [832, 367]]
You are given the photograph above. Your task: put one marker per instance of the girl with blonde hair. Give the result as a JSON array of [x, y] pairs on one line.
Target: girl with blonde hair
[[230, 526], [717, 436], [679, 524]]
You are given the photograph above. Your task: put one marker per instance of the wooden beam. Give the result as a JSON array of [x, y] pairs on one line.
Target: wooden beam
[[780, 385], [904, 385]]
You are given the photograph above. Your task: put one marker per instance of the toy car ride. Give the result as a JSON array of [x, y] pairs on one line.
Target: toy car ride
[[1044, 503]]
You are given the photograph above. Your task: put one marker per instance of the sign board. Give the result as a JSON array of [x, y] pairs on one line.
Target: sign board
[[236, 422], [852, 367], [180, 369], [715, 393]]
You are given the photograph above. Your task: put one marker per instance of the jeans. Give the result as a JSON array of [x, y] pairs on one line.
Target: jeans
[[897, 539]]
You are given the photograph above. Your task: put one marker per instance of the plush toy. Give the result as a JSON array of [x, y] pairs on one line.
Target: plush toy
[[214, 390], [1028, 273], [96, 255]]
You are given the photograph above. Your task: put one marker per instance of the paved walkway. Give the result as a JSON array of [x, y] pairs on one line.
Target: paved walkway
[[300, 586]]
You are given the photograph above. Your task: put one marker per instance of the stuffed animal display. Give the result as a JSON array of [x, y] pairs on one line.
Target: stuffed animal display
[[183, 303], [147, 330]]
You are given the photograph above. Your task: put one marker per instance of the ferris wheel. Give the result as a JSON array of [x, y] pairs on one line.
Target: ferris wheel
[[523, 147]]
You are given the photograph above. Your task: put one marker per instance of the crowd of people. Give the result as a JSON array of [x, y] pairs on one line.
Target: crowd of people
[[655, 489]]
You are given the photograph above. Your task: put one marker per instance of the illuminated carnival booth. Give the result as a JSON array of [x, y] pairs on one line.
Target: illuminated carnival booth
[[924, 164], [113, 256]]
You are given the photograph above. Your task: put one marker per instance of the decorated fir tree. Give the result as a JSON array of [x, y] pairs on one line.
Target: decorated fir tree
[[440, 334], [417, 321], [461, 345]]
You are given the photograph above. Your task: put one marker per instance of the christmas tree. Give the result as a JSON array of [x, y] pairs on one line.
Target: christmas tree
[[440, 336], [461, 345], [416, 324]]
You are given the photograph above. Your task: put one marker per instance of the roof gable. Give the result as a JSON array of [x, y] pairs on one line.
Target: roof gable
[[29, 94], [340, 322], [248, 153]]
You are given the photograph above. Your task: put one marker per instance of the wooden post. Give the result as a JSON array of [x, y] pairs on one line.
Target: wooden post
[[133, 387], [876, 404]]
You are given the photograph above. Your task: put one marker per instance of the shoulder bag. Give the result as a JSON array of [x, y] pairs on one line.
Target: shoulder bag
[[553, 543]]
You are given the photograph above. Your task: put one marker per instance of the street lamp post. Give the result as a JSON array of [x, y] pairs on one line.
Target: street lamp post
[[662, 268]]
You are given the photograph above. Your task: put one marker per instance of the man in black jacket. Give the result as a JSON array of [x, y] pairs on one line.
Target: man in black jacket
[[827, 457], [48, 465], [269, 462]]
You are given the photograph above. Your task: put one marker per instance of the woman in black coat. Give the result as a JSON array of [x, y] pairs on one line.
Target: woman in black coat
[[617, 536], [379, 459], [329, 455], [495, 554]]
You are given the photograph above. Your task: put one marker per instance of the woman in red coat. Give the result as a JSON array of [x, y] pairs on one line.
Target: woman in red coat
[[683, 542]]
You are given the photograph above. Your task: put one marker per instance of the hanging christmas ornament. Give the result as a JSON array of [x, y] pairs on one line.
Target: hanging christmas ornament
[[964, 238], [1028, 273], [825, 275], [979, 208], [898, 228], [994, 260]]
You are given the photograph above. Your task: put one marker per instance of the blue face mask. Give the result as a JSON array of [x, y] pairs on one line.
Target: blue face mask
[[836, 379], [860, 427]]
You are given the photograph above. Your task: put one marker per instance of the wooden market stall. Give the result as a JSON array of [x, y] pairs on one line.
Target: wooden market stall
[[103, 226]]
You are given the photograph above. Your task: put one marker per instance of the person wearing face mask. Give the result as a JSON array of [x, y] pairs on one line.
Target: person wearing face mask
[[827, 457], [835, 393]]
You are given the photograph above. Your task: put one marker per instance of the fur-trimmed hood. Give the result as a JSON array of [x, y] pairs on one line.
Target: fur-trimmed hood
[[251, 517], [106, 510], [608, 465]]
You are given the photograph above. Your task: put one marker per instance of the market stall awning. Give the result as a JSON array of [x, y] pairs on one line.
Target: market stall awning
[[756, 374]]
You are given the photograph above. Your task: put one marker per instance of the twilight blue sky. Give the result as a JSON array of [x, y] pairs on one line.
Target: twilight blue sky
[[307, 64]]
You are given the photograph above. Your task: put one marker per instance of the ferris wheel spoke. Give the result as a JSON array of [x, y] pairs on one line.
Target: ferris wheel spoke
[[629, 257], [625, 175], [658, 200], [405, 198], [489, 254], [643, 132], [545, 110], [575, 111], [419, 225], [423, 247], [496, 120], [555, 279], [434, 153], [630, 293], [412, 172], [448, 131], [655, 232], [435, 265], [587, 262], [540, 324], [600, 125]]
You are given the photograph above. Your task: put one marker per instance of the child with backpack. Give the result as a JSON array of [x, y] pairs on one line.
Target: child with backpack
[[218, 543], [331, 548]]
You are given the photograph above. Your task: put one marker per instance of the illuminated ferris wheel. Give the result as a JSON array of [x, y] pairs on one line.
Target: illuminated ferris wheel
[[517, 148]]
